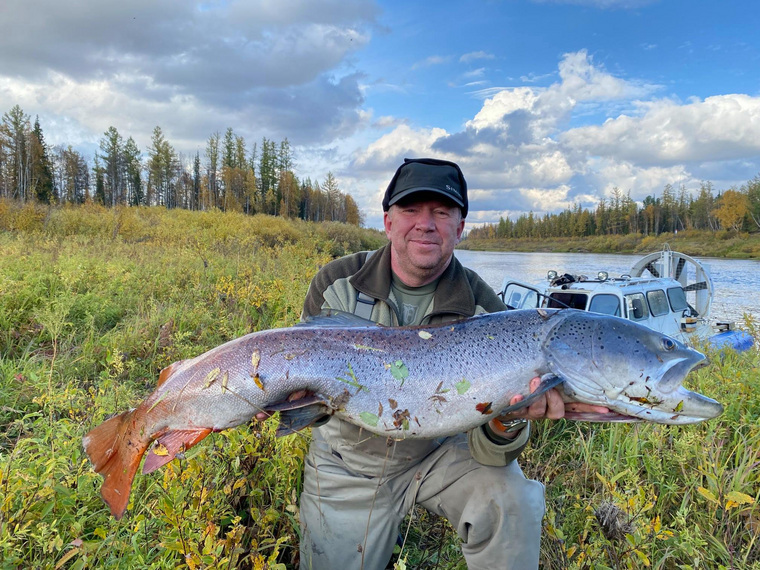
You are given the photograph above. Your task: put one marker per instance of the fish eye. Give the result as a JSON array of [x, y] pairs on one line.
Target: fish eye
[[668, 344]]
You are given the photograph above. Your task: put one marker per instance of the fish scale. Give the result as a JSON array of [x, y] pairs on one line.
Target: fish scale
[[401, 382]]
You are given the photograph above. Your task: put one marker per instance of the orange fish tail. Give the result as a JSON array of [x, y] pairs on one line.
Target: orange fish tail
[[115, 449]]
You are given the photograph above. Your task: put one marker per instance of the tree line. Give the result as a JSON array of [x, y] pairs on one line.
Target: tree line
[[230, 175], [673, 211]]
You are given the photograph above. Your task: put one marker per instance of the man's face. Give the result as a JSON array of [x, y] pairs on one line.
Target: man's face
[[423, 232]]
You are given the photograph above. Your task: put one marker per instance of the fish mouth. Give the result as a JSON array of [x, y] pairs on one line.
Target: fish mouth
[[674, 373], [664, 401]]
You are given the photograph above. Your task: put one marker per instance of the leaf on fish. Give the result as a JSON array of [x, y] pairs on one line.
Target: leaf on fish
[[365, 347], [353, 380], [399, 371], [255, 359], [424, 335], [369, 418], [484, 408], [211, 377], [462, 386], [160, 450], [401, 419]]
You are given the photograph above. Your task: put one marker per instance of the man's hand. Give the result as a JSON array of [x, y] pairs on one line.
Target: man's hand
[[261, 416], [548, 406]]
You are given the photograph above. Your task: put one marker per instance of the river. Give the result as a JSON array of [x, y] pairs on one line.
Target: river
[[736, 281]]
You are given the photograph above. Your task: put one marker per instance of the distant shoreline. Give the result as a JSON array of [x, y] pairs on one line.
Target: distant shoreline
[[729, 245]]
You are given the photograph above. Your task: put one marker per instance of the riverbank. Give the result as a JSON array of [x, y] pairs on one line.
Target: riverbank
[[729, 245]]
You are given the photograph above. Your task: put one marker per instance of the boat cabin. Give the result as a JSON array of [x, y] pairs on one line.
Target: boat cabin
[[667, 291], [659, 303]]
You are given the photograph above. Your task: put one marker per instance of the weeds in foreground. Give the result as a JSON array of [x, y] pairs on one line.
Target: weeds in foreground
[[89, 316]]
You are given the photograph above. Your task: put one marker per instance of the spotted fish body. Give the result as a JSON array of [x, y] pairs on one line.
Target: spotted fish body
[[407, 382]]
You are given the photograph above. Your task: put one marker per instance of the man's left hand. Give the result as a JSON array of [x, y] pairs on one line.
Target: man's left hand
[[548, 406]]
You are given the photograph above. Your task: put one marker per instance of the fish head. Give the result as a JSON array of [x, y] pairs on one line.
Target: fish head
[[634, 371]]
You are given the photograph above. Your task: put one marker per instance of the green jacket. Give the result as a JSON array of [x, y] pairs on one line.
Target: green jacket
[[461, 293]]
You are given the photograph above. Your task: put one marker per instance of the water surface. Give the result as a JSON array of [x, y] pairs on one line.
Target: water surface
[[736, 281]]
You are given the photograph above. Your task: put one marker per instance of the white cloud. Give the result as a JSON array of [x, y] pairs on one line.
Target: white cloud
[[272, 67], [667, 132], [475, 55], [432, 60], [520, 152]]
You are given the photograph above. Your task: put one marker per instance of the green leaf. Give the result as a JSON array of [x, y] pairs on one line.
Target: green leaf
[[707, 494], [369, 418], [399, 371], [740, 498], [462, 386]]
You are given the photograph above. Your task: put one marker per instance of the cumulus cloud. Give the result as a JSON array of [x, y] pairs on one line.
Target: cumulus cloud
[[668, 132], [522, 151], [184, 60]]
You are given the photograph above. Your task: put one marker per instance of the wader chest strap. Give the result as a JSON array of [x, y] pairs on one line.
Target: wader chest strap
[[364, 303]]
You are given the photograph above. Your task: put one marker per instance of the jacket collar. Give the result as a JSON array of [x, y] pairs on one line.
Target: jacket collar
[[453, 295]]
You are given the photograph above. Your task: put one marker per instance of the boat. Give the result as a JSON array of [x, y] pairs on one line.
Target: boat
[[667, 291]]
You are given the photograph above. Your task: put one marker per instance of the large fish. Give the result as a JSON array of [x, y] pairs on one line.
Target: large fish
[[408, 382]]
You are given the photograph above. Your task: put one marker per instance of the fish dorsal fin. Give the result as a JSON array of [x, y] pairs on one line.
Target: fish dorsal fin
[[332, 318], [168, 371]]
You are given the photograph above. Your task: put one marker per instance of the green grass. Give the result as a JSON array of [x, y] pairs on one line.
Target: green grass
[[94, 303]]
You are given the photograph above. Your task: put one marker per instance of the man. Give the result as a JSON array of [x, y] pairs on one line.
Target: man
[[358, 487]]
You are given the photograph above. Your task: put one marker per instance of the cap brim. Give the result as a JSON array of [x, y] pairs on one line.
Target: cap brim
[[401, 195]]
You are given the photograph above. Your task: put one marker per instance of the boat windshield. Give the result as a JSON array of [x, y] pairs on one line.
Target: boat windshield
[[605, 303], [677, 298], [571, 300]]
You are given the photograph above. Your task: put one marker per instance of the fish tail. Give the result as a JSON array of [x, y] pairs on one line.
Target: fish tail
[[115, 449]]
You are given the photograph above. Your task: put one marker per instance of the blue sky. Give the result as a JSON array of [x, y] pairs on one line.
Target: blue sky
[[543, 103]]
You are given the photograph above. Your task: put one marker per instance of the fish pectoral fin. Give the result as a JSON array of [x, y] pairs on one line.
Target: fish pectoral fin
[[170, 444], [548, 381], [297, 419], [299, 414]]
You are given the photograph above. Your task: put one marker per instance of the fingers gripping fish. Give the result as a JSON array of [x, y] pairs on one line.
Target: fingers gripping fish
[[407, 382]]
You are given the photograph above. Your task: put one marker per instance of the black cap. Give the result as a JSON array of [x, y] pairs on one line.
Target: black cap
[[427, 175]]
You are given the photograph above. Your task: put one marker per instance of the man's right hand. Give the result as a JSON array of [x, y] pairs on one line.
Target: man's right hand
[[261, 416]]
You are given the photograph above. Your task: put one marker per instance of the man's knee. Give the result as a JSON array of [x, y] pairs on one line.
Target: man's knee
[[502, 500]]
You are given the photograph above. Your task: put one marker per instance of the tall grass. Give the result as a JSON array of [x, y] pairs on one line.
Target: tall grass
[[94, 303]]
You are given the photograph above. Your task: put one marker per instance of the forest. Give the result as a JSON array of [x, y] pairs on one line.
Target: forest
[[735, 209], [231, 176]]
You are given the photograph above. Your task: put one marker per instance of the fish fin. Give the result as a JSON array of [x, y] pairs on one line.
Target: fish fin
[[167, 372], [298, 414], [548, 381], [115, 450], [295, 404], [332, 318], [170, 444], [297, 419]]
